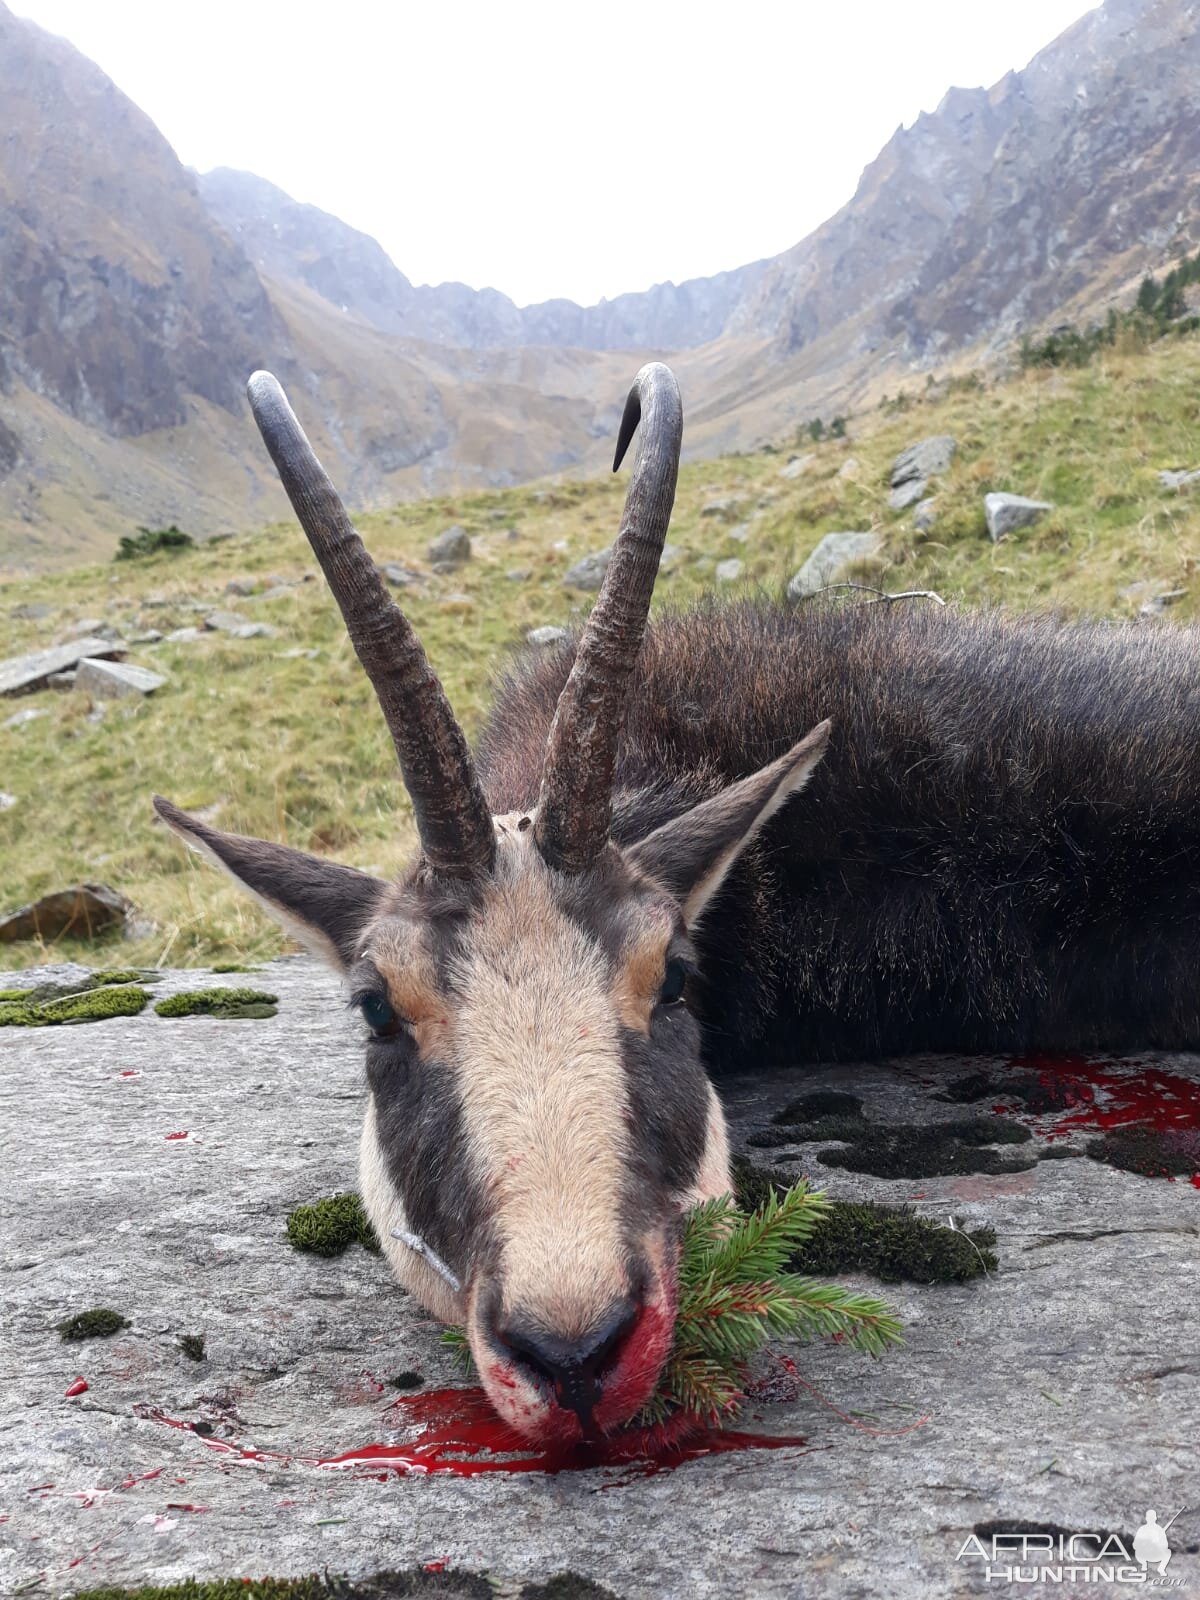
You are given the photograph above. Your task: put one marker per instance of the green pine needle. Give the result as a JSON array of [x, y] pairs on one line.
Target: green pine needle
[[735, 1293]]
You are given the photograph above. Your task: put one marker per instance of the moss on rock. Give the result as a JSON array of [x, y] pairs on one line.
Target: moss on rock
[[330, 1226], [414, 1583], [220, 1003], [89, 1005], [567, 1586], [890, 1242], [192, 1345], [99, 1323]]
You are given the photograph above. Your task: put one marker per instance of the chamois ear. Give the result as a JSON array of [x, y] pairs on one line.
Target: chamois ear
[[691, 855], [324, 906]]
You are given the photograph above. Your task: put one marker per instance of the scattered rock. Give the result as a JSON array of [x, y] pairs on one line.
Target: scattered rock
[[741, 532], [277, 591], [452, 545], [729, 571], [797, 466], [520, 575], [400, 577], [31, 611], [672, 557], [1005, 513], [546, 635], [242, 586], [588, 573], [925, 459], [925, 516], [150, 636], [726, 509], [1151, 597], [184, 635], [849, 468], [116, 680], [22, 674], [1179, 479], [908, 494], [20, 719], [834, 553], [7, 801], [236, 627], [86, 625], [80, 912]]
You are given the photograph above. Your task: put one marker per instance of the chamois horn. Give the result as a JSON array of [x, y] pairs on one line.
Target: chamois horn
[[452, 816], [575, 805]]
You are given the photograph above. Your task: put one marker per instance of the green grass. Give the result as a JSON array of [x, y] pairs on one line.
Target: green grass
[[292, 747]]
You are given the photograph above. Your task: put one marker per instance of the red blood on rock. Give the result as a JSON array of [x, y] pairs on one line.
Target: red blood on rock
[[171, 1136], [457, 1431], [1101, 1095]]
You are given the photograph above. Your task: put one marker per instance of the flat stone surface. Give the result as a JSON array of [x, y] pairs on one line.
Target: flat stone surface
[[22, 674], [830, 558], [1006, 513], [116, 680], [1064, 1389]]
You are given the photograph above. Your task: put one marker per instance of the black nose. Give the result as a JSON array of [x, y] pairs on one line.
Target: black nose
[[574, 1369]]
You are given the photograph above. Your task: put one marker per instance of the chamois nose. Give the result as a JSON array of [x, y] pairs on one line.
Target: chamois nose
[[573, 1369]]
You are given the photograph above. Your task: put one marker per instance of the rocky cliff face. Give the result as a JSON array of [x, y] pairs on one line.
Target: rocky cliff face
[[118, 293], [300, 243]]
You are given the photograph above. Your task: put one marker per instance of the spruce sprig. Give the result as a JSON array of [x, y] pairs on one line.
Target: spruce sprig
[[735, 1293]]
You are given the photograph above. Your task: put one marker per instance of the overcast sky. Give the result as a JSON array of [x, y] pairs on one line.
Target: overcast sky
[[553, 149]]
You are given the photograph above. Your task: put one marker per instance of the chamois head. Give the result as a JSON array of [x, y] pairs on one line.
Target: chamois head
[[539, 1116]]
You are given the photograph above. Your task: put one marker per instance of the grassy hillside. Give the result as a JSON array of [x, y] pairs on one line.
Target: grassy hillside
[[280, 737]]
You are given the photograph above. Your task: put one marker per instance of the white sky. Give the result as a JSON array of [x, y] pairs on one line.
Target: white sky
[[553, 149]]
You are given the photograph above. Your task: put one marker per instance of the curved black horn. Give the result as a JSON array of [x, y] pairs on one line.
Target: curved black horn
[[575, 806], [452, 816]]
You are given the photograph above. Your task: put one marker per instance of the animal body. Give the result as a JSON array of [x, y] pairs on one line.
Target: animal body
[[755, 834]]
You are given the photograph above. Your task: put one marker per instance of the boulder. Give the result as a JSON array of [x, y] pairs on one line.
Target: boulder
[[452, 545], [31, 611], [834, 553], [237, 627], [546, 635], [925, 516], [741, 532], [673, 556], [7, 801], [1179, 479], [148, 636], [924, 459], [22, 718], [726, 509], [908, 494], [729, 571], [23, 674], [242, 586], [116, 680], [520, 574], [849, 468], [588, 572], [797, 466], [400, 577], [1005, 513], [184, 635], [80, 912]]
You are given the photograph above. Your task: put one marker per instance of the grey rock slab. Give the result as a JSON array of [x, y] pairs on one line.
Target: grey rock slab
[[31, 611], [729, 571], [242, 586], [797, 466], [184, 635], [546, 635], [22, 674], [1005, 513], [7, 801], [924, 459], [588, 572], [1179, 479], [400, 577], [725, 508], [907, 494], [228, 622], [78, 912], [832, 555], [925, 515], [452, 545], [117, 680], [1065, 1388], [22, 718]]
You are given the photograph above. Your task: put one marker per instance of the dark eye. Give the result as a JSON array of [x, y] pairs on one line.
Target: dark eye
[[380, 1015], [674, 980]]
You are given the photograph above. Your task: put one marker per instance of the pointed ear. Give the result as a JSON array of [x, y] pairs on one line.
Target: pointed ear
[[325, 907], [691, 855]]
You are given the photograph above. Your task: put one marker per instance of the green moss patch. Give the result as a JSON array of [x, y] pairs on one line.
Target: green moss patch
[[330, 1226], [233, 966], [92, 1005], [410, 1379], [891, 1242], [1147, 1151], [220, 1003], [412, 1584], [98, 1323], [567, 1586], [192, 1345]]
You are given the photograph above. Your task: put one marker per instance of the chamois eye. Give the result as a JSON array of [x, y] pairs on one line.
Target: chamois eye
[[674, 980], [380, 1015]]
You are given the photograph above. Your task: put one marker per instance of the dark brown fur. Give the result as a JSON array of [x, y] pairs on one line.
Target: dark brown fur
[[1001, 851]]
